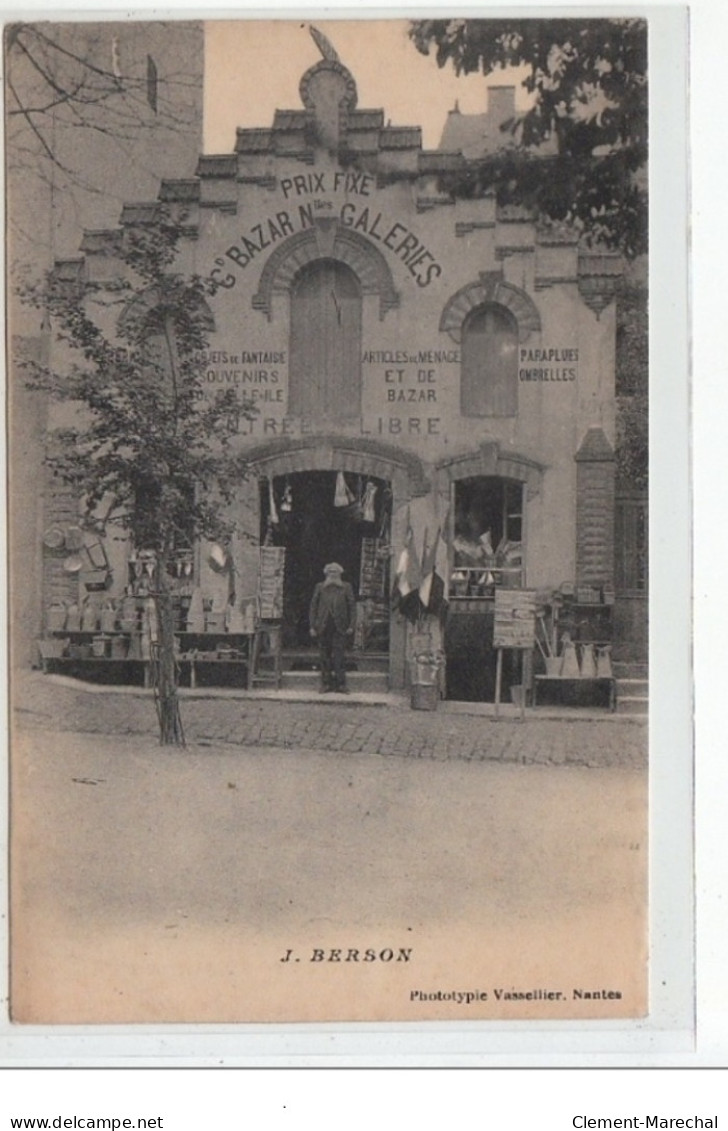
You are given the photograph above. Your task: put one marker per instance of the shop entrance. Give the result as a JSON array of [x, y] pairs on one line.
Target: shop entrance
[[325, 516], [487, 555]]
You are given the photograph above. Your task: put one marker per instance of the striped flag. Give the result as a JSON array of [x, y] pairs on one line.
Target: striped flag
[[405, 591], [428, 568], [432, 586]]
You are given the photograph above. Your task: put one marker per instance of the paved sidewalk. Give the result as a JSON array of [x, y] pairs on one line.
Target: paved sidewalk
[[387, 726]]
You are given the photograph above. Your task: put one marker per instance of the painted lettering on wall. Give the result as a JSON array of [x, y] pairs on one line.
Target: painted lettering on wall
[[408, 377], [402, 426], [309, 184], [256, 372], [411, 357], [399, 240], [548, 364], [420, 262], [262, 425]]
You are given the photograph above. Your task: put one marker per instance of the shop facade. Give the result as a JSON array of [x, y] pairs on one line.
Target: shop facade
[[428, 371]]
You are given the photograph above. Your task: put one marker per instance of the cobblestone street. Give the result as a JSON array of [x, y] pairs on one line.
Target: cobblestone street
[[170, 884], [455, 731]]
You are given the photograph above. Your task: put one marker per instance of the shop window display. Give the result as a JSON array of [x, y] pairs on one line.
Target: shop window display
[[487, 542]]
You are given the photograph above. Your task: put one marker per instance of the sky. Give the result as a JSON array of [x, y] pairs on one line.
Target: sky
[[254, 67]]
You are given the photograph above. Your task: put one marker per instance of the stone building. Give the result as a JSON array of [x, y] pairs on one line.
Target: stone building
[[429, 372]]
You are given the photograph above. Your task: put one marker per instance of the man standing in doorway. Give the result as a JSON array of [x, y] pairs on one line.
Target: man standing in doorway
[[331, 617]]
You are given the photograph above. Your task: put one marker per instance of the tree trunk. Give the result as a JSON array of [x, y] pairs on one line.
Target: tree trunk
[[165, 681]]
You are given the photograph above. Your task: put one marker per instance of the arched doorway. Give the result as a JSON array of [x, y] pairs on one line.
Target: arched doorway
[[278, 460], [488, 554], [327, 516]]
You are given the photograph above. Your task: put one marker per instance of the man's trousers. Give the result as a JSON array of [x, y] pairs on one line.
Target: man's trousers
[[333, 661]]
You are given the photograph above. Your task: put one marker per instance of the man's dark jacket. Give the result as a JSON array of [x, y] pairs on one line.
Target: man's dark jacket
[[335, 601]]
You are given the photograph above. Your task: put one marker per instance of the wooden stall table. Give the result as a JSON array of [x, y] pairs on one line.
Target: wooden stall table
[[604, 687]]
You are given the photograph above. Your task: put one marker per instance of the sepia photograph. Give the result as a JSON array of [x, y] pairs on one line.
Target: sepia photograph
[[327, 356]]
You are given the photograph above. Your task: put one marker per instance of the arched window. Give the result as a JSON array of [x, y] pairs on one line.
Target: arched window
[[156, 319], [489, 373], [325, 353]]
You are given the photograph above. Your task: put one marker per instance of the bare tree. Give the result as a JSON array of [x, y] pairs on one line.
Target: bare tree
[[86, 101]]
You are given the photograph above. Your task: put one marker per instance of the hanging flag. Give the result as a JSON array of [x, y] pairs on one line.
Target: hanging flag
[[405, 592], [432, 586], [409, 604], [428, 568]]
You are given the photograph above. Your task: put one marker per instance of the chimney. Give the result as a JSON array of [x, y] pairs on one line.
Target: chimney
[[501, 104]]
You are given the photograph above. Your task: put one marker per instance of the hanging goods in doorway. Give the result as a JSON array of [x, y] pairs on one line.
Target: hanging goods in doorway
[[287, 500], [349, 504], [272, 512], [343, 497], [272, 522], [368, 502]]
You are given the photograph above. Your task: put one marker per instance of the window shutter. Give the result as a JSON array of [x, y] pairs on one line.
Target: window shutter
[[325, 353], [489, 368]]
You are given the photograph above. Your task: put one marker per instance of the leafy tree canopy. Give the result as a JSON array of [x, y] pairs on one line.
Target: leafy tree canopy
[[147, 430], [632, 387], [588, 81]]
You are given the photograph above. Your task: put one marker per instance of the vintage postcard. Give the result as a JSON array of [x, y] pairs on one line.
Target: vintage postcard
[[328, 401]]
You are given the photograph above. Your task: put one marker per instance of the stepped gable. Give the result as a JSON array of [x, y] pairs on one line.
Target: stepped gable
[[183, 191], [141, 212], [221, 166]]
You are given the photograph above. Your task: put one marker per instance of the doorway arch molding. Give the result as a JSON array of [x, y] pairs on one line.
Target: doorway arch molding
[[489, 459], [328, 239], [357, 455]]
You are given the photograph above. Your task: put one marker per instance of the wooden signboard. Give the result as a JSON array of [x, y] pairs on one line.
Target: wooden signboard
[[515, 618], [373, 570], [514, 627], [272, 568]]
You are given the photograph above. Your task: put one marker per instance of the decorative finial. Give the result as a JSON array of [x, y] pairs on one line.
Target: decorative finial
[[323, 44]]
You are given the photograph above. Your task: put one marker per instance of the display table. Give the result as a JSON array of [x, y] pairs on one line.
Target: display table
[[573, 692], [201, 660]]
